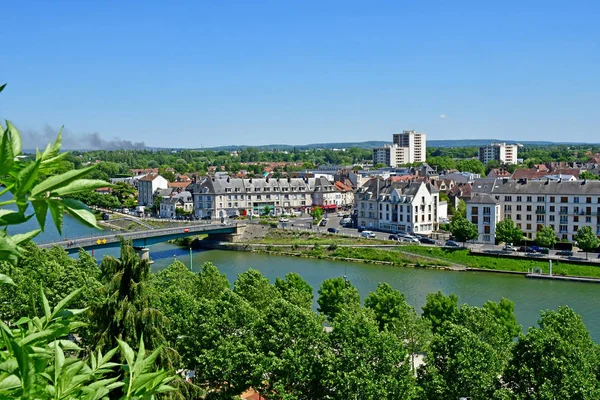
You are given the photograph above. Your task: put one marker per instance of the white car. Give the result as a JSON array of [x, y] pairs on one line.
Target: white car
[[368, 234], [407, 239], [509, 247], [283, 219]]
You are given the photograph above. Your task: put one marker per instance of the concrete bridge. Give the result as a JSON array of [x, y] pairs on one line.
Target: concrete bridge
[[142, 239]]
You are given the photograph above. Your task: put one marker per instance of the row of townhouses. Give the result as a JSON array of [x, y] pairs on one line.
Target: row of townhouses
[[229, 197], [565, 206], [397, 206]]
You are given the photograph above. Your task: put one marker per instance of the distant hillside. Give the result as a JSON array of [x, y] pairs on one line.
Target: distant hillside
[[373, 144]]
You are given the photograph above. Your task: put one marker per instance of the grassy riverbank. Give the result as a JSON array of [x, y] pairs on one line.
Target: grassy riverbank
[[302, 238], [463, 257]]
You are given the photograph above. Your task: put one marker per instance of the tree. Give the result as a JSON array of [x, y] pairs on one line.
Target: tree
[[292, 347], [459, 364], [586, 239], [335, 294], [504, 313], [507, 232], [379, 165], [440, 308], [368, 363], [557, 360], [461, 209], [212, 283], [127, 312], [462, 229], [122, 191], [256, 289], [545, 237], [471, 165], [588, 175], [295, 290], [316, 213]]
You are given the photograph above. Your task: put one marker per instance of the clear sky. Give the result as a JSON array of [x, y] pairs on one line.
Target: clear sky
[[191, 74]]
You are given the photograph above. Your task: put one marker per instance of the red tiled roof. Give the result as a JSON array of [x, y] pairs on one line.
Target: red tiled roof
[[149, 177], [181, 185]]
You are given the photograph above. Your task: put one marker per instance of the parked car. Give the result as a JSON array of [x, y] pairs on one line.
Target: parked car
[[362, 228], [283, 219], [565, 253], [323, 222], [451, 243], [542, 250], [410, 240], [333, 230], [368, 234], [426, 240], [509, 247], [393, 237], [527, 249]]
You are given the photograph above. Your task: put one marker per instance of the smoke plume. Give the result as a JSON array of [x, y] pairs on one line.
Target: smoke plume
[[73, 141]]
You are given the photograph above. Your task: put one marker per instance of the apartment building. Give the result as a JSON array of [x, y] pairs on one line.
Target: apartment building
[[485, 212], [147, 186], [407, 147], [502, 152], [169, 205], [565, 206], [228, 197], [397, 206]]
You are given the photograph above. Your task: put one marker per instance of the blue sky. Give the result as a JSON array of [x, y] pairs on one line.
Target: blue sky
[[192, 74]]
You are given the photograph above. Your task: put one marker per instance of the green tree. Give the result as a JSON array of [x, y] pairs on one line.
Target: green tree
[[459, 364], [127, 313], [295, 290], [368, 363], [472, 165], [588, 175], [292, 346], [316, 213], [379, 165], [507, 232], [335, 294], [212, 283], [122, 191], [546, 237], [461, 209], [462, 229], [256, 289], [558, 360], [440, 308], [504, 313], [586, 239]]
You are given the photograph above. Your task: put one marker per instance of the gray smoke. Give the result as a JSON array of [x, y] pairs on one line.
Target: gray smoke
[[73, 141]]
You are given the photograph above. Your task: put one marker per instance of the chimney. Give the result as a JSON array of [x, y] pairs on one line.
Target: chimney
[[228, 179]]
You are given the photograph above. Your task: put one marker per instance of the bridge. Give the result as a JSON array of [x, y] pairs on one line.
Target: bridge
[[142, 239]]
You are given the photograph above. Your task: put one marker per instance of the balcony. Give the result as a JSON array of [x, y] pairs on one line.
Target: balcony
[[540, 211]]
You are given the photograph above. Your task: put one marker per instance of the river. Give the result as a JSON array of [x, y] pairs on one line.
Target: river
[[475, 288]]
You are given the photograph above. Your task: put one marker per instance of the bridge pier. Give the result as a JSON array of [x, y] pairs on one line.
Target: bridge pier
[[143, 253]]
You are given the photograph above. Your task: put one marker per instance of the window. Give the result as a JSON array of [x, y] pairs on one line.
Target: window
[[576, 219], [588, 219], [519, 199], [540, 218], [575, 228], [564, 199], [518, 217], [529, 199], [540, 199], [575, 210], [588, 200], [576, 200], [486, 210], [486, 220], [563, 210], [528, 217], [507, 198], [475, 210], [518, 207], [563, 219], [507, 207], [528, 227], [551, 199], [551, 208], [528, 208], [551, 218]]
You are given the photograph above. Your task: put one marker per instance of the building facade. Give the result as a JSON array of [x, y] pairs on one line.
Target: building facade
[[147, 186], [485, 212], [565, 206], [398, 206], [169, 205], [407, 147], [501, 152]]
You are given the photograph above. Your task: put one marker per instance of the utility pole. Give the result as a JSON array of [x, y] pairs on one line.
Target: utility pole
[[191, 264]]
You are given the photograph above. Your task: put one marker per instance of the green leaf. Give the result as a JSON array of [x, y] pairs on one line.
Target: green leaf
[[58, 181], [10, 382], [63, 303], [128, 353], [22, 237], [6, 154], [26, 178], [41, 211], [57, 210], [8, 217], [47, 311], [42, 335], [80, 212], [15, 138], [60, 361], [80, 185], [5, 280]]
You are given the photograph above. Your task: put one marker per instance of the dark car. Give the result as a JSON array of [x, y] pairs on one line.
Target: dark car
[[543, 250], [451, 243], [362, 228], [333, 230], [527, 249], [393, 237], [566, 253], [426, 240]]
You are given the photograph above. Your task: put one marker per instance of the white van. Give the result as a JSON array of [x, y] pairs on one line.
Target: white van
[[368, 234]]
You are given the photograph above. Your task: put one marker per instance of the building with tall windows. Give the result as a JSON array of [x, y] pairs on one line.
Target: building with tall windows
[[407, 147], [565, 206], [501, 152]]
